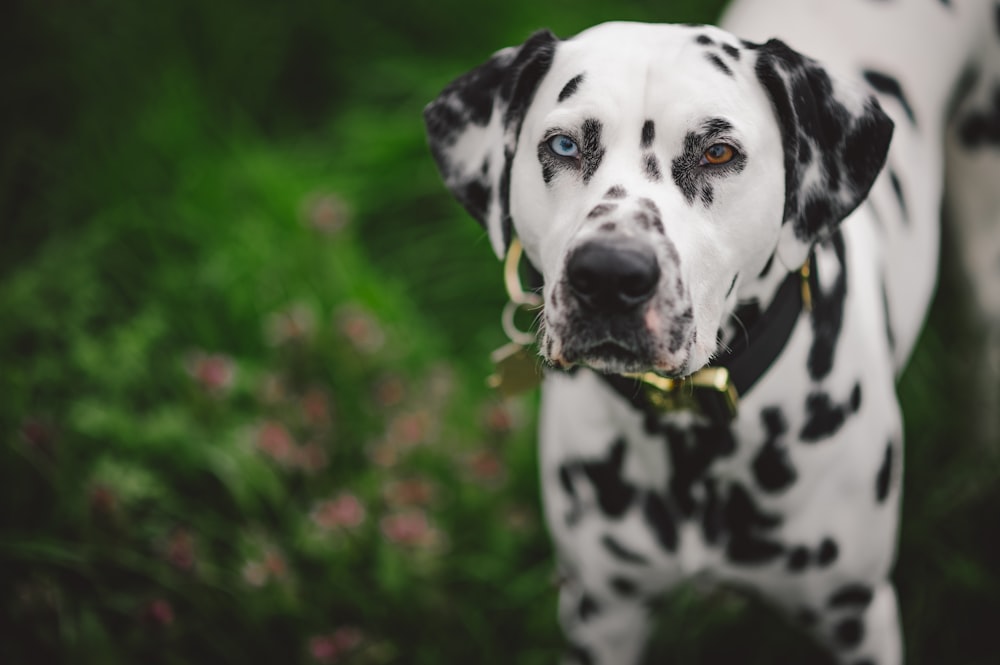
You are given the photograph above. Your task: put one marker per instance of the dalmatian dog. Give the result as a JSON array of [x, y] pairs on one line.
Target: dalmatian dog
[[765, 198]]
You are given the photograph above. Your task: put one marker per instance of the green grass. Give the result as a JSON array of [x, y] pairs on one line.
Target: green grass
[[242, 342]]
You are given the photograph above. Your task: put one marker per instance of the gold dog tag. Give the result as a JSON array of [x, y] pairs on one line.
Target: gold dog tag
[[517, 370]]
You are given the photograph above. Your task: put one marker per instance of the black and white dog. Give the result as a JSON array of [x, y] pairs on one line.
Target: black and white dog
[[692, 200]]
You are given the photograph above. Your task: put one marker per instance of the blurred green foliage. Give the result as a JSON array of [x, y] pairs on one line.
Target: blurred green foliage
[[242, 335]]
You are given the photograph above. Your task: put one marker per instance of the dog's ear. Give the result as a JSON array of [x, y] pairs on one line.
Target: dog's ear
[[835, 138], [473, 125]]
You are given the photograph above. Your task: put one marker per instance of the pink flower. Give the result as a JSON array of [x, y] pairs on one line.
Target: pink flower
[[159, 613], [255, 573], [328, 649], [499, 419], [361, 328], [384, 454], [409, 528], [294, 325], [275, 441], [180, 550], [487, 467], [326, 213], [311, 457], [272, 390], [410, 492], [103, 502], [409, 429], [345, 511], [323, 649], [213, 372], [389, 391], [40, 436], [315, 407]]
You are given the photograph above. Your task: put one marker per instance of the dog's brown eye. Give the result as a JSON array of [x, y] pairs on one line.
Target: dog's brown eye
[[718, 154]]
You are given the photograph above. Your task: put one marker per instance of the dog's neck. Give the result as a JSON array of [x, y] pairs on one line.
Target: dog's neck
[[752, 297]]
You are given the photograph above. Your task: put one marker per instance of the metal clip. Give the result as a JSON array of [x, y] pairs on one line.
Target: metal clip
[[805, 271], [517, 368], [709, 391]]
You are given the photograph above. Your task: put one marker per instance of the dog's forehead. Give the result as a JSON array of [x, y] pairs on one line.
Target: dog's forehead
[[658, 65]]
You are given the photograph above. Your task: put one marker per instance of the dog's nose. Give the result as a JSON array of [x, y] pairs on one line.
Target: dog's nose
[[613, 276]]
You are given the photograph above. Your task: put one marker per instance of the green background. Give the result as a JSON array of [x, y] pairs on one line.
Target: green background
[[236, 302]]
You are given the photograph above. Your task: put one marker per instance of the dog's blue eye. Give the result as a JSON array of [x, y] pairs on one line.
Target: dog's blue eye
[[564, 146]]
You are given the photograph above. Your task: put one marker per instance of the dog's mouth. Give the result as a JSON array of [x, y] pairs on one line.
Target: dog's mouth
[[614, 358]]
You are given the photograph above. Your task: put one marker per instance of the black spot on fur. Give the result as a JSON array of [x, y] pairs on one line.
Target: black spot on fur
[[798, 559], [573, 514], [981, 128], [772, 468], [601, 209], [623, 586], [704, 40], [731, 51], [648, 134], [719, 64], [825, 418], [608, 227], [691, 453], [506, 223], [592, 150], [579, 654], [827, 553], [614, 495], [897, 187], [889, 333], [806, 617], [889, 85], [476, 193], [652, 166], [883, 480], [570, 88], [711, 513], [856, 596], [707, 195], [587, 608], [657, 514], [767, 266], [616, 192], [849, 633], [622, 553], [732, 285], [550, 166], [827, 315], [744, 521], [649, 205]]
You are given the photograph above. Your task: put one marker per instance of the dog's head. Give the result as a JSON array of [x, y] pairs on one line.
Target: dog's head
[[649, 170]]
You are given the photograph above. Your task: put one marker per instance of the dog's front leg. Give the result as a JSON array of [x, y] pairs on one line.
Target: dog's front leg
[[602, 629]]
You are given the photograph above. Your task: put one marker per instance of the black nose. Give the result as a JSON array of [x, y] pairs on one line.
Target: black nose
[[613, 276]]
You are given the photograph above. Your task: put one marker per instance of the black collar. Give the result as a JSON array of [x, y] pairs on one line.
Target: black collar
[[714, 391]]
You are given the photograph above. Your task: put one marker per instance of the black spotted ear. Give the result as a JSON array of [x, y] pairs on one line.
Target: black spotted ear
[[473, 125], [835, 137]]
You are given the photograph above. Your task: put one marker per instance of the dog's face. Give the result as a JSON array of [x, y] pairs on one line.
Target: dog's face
[[649, 170]]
